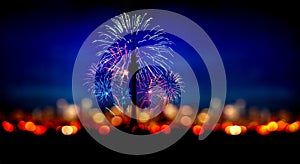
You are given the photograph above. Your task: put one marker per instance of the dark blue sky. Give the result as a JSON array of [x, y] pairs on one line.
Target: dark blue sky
[[257, 42]]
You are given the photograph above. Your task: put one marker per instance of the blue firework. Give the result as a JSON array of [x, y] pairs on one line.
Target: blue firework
[[157, 86], [124, 38]]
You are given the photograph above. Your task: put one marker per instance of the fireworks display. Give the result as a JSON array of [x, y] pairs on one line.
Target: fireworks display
[[158, 91], [125, 44], [148, 67]]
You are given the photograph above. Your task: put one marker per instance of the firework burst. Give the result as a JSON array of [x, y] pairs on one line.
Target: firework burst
[[125, 37], [154, 91]]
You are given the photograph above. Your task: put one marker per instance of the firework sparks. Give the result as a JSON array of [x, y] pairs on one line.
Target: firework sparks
[[109, 79], [157, 88], [128, 34]]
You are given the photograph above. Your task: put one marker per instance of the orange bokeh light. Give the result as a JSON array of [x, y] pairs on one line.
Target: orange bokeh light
[[165, 129], [197, 129], [40, 130], [243, 129], [104, 129], [262, 130], [281, 125], [21, 125], [30, 126], [75, 129], [116, 120], [7, 126], [154, 128]]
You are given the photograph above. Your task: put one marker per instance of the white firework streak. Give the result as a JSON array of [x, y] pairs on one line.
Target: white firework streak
[[117, 37]]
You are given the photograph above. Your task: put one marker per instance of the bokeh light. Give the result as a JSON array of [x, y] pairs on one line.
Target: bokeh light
[[236, 119]]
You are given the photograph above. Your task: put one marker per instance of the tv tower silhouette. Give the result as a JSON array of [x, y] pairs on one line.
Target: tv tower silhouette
[[133, 68]]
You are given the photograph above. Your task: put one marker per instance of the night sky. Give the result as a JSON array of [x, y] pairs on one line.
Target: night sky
[[257, 42]]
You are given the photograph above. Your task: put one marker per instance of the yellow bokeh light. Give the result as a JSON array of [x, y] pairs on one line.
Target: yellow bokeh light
[[186, 121], [170, 111], [230, 112], [67, 130], [235, 130], [227, 129], [70, 113], [98, 117], [293, 127], [143, 117], [272, 126], [203, 117]]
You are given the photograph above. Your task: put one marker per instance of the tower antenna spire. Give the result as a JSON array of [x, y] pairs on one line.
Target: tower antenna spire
[[133, 68]]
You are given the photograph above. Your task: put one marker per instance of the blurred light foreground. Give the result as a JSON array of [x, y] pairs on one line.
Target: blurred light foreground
[[235, 120]]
